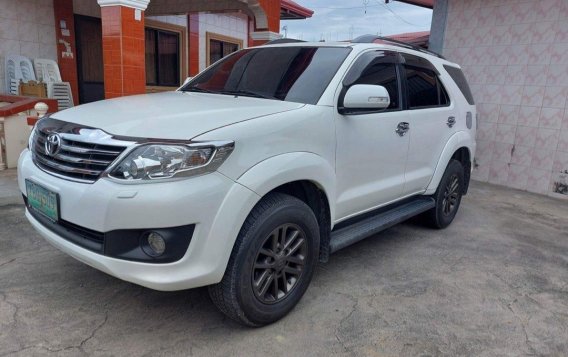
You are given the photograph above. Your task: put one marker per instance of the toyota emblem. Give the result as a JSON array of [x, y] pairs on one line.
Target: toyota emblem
[[52, 144]]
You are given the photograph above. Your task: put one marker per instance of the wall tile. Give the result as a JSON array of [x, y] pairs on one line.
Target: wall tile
[[522, 155], [551, 118], [499, 172], [516, 74], [526, 136], [542, 158], [559, 53], [542, 32], [502, 152], [509, 114], [505, 133], [547, 138], [563, 140], [518, 176], [555, 96], [560, 161], [533, 96], [486, 131], [536, 75], [529, 116], [557, 75], [539, 181], [512, 95]]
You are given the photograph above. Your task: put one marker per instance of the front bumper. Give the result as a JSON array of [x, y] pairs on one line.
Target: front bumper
[[215, 204]]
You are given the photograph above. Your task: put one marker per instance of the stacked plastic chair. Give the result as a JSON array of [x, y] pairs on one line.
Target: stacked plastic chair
[[17, 68], [47, 70]]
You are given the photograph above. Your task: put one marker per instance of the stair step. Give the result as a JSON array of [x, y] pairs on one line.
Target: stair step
[[358, 231]]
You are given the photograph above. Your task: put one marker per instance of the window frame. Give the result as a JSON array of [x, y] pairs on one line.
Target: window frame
[[417, 62], [360, 67], [182, 49], [222, 38]]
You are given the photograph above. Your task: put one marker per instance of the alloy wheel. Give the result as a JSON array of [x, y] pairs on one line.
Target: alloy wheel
[[451, 195], [279, 263]]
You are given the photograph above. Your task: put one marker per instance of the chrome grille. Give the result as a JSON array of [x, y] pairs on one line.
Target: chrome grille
[[77, 158]]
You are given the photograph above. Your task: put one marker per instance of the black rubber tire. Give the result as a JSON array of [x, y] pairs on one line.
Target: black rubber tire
[[436, 217], [234, 295]]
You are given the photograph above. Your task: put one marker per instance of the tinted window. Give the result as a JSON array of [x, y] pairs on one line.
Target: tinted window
[[162, 58], [295, 74], [383, 74], [424, 88], [458, 77]]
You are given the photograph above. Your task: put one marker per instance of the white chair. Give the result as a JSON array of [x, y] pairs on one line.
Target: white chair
[[17, 68], [48, 71], [61, 91]]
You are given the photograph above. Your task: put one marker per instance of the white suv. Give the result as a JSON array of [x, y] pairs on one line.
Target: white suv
[[255, 170]]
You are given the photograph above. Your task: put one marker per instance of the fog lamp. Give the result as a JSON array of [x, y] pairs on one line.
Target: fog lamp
[[156, 243]]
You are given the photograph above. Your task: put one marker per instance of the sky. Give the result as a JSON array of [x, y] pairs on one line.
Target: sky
[[339, 19]]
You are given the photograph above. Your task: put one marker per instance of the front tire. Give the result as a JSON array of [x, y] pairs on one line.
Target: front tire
[[448, 196], [272, 262]]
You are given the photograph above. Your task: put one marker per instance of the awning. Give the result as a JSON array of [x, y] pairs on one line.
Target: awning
[[424, 3], [290, 10]]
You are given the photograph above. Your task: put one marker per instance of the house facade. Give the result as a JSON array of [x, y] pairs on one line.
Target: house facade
[[110, 48], [515, 55]]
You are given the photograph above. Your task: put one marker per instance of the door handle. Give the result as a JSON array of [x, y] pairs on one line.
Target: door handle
[[402, 128], [451, 121]]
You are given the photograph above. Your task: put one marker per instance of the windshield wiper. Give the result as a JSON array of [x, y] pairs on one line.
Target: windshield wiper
[[248, 93]]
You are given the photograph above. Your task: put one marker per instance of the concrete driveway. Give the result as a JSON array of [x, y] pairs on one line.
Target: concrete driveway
[[494, 283]]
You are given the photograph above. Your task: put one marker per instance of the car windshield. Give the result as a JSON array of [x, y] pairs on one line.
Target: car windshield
[[293, 74]]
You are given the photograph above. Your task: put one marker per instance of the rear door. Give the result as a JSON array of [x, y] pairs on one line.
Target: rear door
[[431, 118], [371, 156]]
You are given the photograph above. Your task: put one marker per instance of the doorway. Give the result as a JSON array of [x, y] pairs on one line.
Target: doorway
[[90, 72]]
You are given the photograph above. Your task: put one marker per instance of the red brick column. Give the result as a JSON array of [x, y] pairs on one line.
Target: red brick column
[[123, 48], [67, 61]]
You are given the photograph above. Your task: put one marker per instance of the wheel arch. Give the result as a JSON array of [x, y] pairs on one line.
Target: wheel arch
[[303, 175], [460, 147]]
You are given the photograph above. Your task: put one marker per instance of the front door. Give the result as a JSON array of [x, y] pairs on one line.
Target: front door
[[89, 42], [371, 155]]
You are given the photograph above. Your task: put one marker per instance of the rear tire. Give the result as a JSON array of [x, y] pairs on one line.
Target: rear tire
[[272, 262], [448, 196]]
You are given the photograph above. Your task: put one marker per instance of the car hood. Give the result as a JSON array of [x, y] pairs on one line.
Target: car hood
[[171, 115]]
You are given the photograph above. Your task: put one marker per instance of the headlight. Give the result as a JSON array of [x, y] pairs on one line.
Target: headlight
[[163, 161]]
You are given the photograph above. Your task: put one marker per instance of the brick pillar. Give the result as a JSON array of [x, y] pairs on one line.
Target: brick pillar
[[269, 30], [123, 46], [65, 37], [193, 43]]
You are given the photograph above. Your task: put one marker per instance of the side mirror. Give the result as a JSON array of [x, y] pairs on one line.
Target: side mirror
[[187, 80], [366, 96]]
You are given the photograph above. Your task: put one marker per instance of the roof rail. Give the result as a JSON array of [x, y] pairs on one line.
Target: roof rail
[[283, 40], [373, 38]]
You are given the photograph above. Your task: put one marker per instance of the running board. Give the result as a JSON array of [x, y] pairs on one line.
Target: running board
[[355, 232]]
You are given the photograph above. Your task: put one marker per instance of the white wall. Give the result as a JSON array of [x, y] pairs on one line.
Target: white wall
[[27, 28], [233, 25]]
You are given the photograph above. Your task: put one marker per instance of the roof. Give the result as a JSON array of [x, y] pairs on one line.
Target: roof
[[414, 38], [424, 3], [291, 10]]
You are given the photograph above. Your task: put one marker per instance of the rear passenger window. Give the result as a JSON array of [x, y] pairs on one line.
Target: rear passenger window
[[425, 89], [459, 78], [383, 74]]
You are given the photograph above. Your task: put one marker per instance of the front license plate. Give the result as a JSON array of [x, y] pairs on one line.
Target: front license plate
[[43, 200]]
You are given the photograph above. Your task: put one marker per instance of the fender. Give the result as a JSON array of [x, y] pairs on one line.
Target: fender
[[458, 140], [295, 166]]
